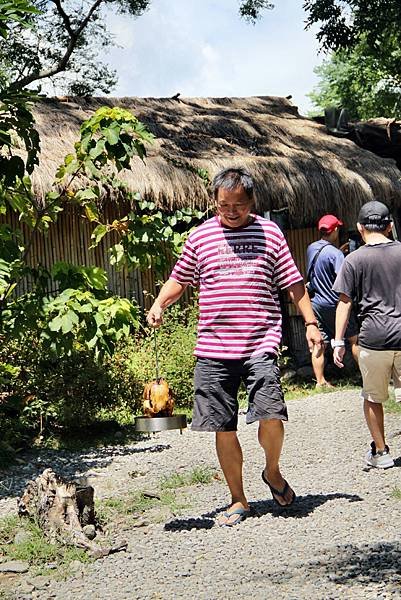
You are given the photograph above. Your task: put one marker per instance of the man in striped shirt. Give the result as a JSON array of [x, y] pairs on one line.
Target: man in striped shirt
[[239, 261]]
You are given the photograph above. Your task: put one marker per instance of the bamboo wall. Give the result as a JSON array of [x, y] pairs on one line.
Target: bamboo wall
[[293, 324], [69, 241], [298, 240]]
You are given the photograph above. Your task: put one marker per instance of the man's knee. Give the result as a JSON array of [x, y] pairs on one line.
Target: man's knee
[[226, 435], [271, 423]]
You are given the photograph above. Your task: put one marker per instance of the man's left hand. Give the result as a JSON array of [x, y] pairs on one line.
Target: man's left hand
[[338, 356], [315, 340]]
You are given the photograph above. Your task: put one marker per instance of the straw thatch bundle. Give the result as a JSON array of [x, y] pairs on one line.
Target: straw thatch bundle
[[295, 162]]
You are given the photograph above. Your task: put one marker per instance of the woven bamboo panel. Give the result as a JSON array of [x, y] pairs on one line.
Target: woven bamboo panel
[[69, 241]]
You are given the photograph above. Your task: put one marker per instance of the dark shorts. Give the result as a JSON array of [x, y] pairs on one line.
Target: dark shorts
[[216, 388], [326, 318]]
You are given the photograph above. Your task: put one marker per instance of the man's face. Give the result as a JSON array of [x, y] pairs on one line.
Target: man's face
[[233, 207]]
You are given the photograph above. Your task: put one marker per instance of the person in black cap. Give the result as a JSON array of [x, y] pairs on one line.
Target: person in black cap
[[371, 277], [324, 260]]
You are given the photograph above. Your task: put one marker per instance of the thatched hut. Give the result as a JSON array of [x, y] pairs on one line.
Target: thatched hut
[[300, 170], [296, 164]]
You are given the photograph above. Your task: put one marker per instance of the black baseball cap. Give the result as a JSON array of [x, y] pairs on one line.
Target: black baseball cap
[[374, 213]]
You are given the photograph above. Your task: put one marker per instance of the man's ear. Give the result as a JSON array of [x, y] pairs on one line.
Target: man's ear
[[359, 228]]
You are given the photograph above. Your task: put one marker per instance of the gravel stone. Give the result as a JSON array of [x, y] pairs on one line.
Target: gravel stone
[[339, 541], [14, 566]]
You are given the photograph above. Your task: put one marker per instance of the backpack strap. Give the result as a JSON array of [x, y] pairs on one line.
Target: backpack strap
[[316, 256]]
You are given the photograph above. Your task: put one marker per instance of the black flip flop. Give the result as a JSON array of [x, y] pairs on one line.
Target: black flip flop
[[281, 493]]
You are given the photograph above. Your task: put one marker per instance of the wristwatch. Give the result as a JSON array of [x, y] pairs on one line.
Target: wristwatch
[[337, 343]]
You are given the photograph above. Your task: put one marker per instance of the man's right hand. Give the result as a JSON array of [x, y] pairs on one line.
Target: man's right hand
[[155, 315]]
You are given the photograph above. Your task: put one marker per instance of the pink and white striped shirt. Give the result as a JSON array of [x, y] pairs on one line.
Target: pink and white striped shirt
[[238, 272]]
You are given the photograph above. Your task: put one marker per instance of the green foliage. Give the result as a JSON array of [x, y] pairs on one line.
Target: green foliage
[[175, 342], [34, 548], [16, 121], [79, 317], [45, 395], [79, 277], [135, 504], [343, 24], [8, 373], [198, 475], [52, 343], [147, 236], [78, 31], [81, 312], [85, 315], [16, 130], [12, 12], [112, 137], [356, 80], [251, 10], [364, 74]]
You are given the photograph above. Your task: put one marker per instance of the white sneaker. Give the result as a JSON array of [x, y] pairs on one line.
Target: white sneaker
[[381, 460]]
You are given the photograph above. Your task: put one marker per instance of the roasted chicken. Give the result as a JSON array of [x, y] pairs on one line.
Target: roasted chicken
[[157, 399]]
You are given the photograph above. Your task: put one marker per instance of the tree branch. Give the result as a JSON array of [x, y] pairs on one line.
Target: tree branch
[[62, 64], [64, 16]]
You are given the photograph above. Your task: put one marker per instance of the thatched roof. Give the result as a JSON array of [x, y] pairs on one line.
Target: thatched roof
[[295, 162]]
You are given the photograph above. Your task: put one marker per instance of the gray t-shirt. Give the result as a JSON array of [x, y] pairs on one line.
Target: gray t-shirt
[[371, 277]]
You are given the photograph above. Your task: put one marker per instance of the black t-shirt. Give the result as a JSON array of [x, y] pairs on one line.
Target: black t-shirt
[[371, 277]]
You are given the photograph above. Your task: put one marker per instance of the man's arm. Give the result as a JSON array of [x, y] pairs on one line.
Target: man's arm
[[343, 312], [170, 293], [300, 297]]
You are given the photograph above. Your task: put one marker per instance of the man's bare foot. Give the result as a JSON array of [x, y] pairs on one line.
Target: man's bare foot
[[282, 493], [324, 385], [233, 515]]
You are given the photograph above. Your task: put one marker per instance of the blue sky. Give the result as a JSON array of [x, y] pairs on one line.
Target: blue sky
[[203, 48]]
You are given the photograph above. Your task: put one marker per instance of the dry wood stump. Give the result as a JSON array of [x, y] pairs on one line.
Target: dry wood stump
[[62, 509]]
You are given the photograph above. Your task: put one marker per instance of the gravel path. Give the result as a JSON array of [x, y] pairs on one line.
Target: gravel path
[[340, 540]]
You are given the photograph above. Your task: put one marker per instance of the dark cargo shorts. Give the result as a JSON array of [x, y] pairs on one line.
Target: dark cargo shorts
[[216, 388], [326, 318]]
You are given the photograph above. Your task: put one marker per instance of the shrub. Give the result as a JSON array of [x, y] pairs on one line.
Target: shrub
[[50, 392], [134, 363], [41, 394]]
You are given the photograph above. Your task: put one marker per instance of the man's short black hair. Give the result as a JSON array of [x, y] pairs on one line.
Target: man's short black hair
[[231, 179]]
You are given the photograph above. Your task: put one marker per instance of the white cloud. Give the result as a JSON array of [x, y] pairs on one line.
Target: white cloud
[[205, 49]]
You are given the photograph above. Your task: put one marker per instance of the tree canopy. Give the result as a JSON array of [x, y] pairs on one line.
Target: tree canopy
[[343, 23], [363, 73], [62, 43], [356, 80]]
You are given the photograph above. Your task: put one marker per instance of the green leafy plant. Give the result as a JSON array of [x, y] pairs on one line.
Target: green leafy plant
[[198, 475], [77, 325], [396, 493], [136, 504], [79, 317], [175, 342], [51, 397], [34, 548], [108, 141], [355, 80]]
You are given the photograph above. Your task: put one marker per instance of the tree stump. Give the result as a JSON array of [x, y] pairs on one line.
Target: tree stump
[[62, 509]]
